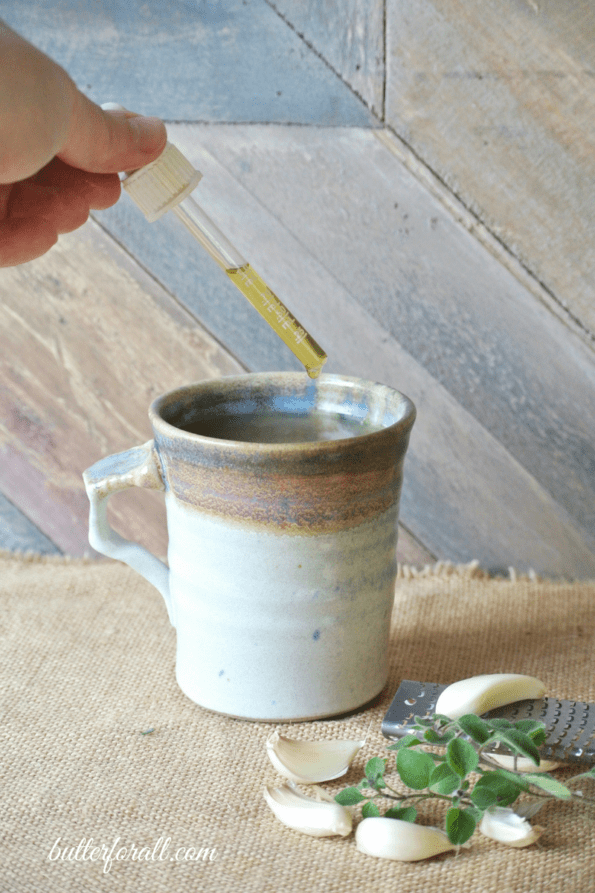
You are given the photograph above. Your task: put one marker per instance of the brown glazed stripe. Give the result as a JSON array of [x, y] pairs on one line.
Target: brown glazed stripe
[[314, 487], [321, 494]]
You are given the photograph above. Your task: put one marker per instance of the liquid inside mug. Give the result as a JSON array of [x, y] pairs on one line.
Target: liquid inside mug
[[282, 497]]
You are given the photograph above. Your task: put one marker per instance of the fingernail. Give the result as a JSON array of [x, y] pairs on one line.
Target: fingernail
[[112, 107], [150, 133]]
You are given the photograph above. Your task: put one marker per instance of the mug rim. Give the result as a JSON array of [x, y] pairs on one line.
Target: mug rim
[[268, 378]]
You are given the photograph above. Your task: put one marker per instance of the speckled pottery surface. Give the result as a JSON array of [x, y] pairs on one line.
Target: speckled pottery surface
[[282, 498]]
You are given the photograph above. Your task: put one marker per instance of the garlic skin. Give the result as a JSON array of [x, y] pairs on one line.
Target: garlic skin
[[310, 762], [523, 764], [399, 840], [504, 825], [318, 818], [478, 694]]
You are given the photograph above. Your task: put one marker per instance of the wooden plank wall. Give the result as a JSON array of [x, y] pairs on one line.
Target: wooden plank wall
[[396, 302], [189, 60], [498, 99], [88, 341], [350, 36], [402, 274]]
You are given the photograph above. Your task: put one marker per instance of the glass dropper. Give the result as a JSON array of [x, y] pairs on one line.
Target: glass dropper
[[165, 185]]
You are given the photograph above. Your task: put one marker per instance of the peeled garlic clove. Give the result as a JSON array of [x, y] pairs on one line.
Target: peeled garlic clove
[[310, 762], [318, 818], [399, 840], [504, 825], [523, 764], [482, 693]]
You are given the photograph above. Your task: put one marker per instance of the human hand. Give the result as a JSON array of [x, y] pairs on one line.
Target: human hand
[[59, 152]]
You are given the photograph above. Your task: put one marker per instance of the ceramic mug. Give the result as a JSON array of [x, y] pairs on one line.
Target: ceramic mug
[[282, 498]]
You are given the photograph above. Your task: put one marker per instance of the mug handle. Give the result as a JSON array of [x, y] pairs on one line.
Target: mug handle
[[137, 467]]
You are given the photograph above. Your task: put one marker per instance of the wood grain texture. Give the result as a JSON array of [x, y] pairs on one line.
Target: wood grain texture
[[498, 98], [405, 296], [87, 340], [18, 534], [349, 35], [428, 284], [193, 61], [85, 347]]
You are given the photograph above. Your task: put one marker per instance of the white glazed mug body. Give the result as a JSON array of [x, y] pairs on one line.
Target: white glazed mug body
[[275, 626], [282, 556]]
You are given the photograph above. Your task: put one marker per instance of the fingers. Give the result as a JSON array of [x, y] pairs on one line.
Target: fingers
[[56, 200], [59, 189], [24, 240], [110, 141], [36, 101]]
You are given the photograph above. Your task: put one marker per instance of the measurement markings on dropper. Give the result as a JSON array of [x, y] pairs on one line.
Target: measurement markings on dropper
[[165, 185], [252, 286]]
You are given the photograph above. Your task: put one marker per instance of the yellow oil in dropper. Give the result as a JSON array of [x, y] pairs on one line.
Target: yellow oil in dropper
[[305, 348], [284, 323], [165, 185]]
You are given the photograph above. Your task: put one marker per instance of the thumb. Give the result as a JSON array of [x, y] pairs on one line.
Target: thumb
[[108, 141]]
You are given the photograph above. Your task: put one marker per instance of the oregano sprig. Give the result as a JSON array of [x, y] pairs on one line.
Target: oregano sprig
[[464, 772]]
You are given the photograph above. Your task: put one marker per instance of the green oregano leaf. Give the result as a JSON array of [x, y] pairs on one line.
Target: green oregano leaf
[[461, 756], [538, 737], [415, 768], [518, 742], [405, 813], [405, 741], [549, 784], [443, 780], [483, 797], [519, 780], [500, 723], [475, 813], [349, 797], [370, 810], [528, 726], [493, 789], [375, 769], [475, 727], [460, 825], [432, 736]]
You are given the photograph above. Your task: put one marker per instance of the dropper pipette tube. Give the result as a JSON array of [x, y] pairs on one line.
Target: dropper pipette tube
[[165, 185], [247, 280]]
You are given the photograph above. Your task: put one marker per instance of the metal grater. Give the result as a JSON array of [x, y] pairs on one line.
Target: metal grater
[[570, 725]]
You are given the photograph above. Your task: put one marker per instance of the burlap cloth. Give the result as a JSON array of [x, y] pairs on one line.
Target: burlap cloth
[[88, 667]]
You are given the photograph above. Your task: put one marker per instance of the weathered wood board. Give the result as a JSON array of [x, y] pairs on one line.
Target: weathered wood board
[[349, 35], [498, 99], [18, 534], [499, 464], [85, 346], [87, 340], [193, 61], [431, 286]]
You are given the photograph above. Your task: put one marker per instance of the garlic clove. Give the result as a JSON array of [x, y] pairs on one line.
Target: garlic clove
[[523, 764], [318, 818], [310, 762], [478, 694], [402, 841], [504, 825]]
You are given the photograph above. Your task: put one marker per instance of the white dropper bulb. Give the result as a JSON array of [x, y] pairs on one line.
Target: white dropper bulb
[[165, 185]]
